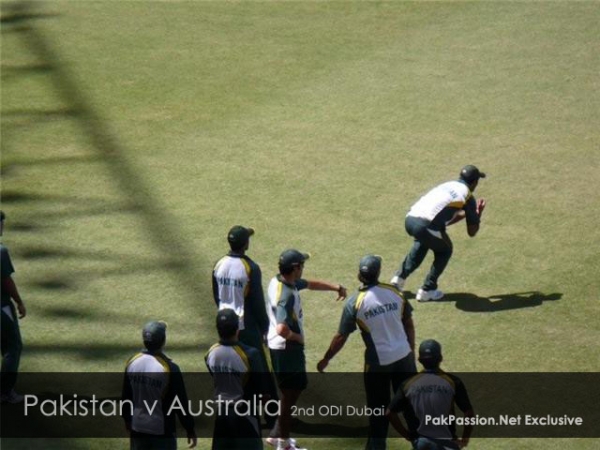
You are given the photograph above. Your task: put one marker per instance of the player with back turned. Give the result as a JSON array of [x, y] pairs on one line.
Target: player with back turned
[[431, 393], [237, 285], [238, 375], [387, 329], [152, 378]]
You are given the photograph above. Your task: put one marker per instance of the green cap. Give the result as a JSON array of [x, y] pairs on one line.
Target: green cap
[[239, 236], [228, 321], [290, 258], [370, 266], [430, 349], [471, 173], [155, 332]]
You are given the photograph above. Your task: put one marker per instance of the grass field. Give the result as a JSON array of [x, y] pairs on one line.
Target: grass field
[[134, 134]]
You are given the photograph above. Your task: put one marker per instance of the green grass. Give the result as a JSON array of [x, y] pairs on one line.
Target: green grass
[[318, 123]]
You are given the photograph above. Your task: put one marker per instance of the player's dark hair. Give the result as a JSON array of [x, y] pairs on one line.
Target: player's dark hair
[[430, 363], [154, 346], [226, 332], [285, 270], [364, 279], [237, 248]]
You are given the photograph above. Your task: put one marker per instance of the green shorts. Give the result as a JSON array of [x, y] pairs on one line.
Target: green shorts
[[290, 368]]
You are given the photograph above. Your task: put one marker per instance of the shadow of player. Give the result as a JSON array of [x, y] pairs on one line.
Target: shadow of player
[[473, 303]]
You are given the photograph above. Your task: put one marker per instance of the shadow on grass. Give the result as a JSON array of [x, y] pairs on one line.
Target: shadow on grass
[[174, 254], [502, 302]]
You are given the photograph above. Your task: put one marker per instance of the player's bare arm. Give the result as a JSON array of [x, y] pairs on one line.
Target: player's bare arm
[[284, 331], [460, 215], [474, 228], [319, 285], [337, 343], [409, 328], [11, 288], [398, 425], [480, 206]]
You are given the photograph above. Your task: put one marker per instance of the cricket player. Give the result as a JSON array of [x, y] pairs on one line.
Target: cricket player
[[237, 285], [238, 374], [385, 321], [431, 393], [286, 337], [444, 205], [12, 344], [151, 378]]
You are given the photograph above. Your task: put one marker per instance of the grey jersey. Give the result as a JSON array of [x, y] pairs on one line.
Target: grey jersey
[[237, 371], [430, 393], [379, 311]]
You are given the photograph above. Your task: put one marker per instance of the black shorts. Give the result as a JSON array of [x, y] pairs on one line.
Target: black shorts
[[289, 366]]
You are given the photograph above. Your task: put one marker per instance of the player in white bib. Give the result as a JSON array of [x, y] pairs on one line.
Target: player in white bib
[[426, 222], [237, 285], [151, 378], [385, 321], [238, 376], [431, 393]]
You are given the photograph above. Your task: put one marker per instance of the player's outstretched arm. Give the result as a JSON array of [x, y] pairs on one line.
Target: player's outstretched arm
[[319, 285]]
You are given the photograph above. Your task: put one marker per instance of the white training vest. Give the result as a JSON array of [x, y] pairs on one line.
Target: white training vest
[[379, 313], [232, 276], [276, 290], [453, 194], [230, 367], [149, 378]]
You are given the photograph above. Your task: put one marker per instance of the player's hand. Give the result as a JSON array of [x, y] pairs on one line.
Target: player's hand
[[480, 206], [322, 365], [22, 310], [342, 293]]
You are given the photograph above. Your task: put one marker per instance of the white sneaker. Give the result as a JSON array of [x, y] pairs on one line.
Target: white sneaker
[[398, 283], [427, 296], [11, 397], [292, 444]]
